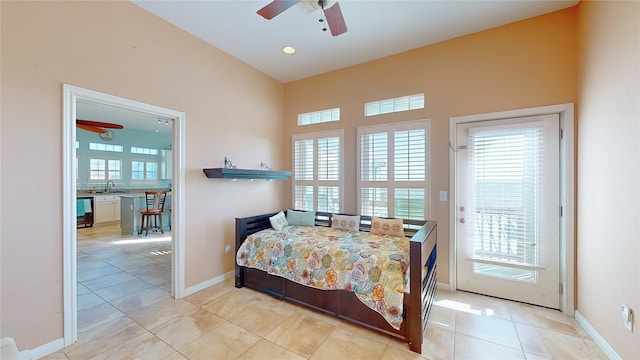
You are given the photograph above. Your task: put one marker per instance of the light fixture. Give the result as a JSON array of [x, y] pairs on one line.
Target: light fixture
[[157, 130], [166, 122], [289, 50]]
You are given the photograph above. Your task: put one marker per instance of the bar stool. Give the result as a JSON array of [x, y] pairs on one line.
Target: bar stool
[[154, 207]]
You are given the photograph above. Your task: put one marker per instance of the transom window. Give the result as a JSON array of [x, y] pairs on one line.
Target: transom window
[[317, 171], [105, 147], [393, 163], [404, 103], [144, 151], [317, 117]]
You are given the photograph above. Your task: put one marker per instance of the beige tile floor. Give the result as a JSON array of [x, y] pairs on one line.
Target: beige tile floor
[[126, 312]]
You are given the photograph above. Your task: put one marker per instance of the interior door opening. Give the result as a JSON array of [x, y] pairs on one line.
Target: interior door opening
[[72, 96], [114, 262]]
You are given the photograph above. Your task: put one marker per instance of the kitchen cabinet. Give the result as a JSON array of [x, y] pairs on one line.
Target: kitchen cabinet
[[107, 208], [166, 164]]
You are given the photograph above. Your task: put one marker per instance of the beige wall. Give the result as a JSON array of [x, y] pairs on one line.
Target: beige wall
[[117, 48], [609, 170], [525, 64]]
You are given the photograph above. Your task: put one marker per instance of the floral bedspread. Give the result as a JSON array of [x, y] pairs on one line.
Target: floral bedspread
[[374, 267]]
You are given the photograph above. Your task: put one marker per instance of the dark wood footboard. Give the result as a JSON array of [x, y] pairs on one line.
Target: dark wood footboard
[[344, 304]]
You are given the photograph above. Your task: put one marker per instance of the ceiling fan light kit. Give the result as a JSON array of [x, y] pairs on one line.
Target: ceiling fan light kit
[[331, 9]]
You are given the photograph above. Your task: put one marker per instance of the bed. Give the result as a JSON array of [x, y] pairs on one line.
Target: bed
[[418, 294]]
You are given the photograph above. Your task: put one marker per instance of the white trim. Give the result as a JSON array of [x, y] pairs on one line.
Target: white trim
[[203, 285], [71, 94], [390, 183], [567, 192], [315, 183], [599, 340], [42, 351], [442, 286]]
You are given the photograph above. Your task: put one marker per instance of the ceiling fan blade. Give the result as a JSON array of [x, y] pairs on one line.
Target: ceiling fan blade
[[335, 20], [275, 8], [91, 128], [99, 124]]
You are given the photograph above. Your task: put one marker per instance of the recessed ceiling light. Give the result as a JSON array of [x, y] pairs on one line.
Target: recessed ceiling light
[[289, 50]]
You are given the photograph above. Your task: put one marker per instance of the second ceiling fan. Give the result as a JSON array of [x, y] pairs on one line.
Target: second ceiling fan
[[101, 128], [331, 10]]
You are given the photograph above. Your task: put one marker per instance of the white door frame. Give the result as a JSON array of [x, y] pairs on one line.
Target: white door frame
[[567, 193], [71, 94]]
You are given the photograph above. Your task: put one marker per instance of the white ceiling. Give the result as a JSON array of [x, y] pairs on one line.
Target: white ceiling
[[130, 119], [375, 29]]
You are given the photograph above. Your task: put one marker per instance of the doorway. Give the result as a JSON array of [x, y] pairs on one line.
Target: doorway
[[512, 207], [71, 97], [507, 201]]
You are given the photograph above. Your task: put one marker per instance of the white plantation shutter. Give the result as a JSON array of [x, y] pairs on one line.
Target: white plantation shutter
[[506, 176], [374, 157], [409, 155], [317, 180], [403, 149], [328, 158], [303, 160]]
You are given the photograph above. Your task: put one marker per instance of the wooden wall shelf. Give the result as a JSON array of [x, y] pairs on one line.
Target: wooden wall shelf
[[225, 173]]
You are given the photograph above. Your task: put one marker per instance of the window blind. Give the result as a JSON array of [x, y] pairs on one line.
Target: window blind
[[317, 163], [506, 173], [303, 160], [394, 170]]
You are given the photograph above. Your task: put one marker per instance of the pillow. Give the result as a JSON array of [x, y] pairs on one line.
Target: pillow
[[345, 222], [391, 227], [278, 221], [301, 218]]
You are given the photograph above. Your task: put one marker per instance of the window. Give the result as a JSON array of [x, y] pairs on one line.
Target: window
[[105, 147], [319, 116], [317, 171], [393, 163], [101, 169], [144, 170], [411, 102], [144, 151]]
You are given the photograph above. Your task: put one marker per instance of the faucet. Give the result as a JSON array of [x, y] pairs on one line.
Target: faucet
[[108, 188]]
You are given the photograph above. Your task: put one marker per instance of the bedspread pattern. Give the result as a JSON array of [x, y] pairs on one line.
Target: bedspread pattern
[[374, 267]]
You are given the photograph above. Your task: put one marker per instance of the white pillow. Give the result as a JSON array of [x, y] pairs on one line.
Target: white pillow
[[278, 221], [345, 222]]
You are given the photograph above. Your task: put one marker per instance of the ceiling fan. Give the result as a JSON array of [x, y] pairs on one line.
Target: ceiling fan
[[102, 128], [331, 10]]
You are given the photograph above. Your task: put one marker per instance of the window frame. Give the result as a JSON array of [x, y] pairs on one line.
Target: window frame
[[414, 102], [391, 184], [315, 182], [333, 113], [106, 171], [156, 180]]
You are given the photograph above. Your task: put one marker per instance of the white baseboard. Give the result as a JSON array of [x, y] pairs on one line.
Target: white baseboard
[[203, 285], [442, 286], [42, 351], [599, 340]]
